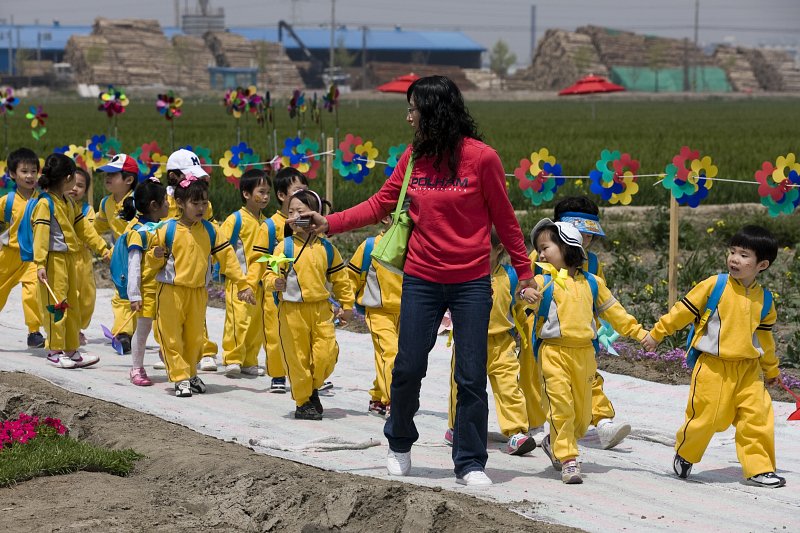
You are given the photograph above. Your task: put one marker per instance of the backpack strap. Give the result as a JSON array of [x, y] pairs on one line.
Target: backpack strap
[[711, 306], [85, 208], [103, 204], [9, 210], [592, 280], [594, 264], [212, 233], [366, 258], [237, 228], [170, 235], [272, 234], [544, 309], [328, 250], [513, 280], [767, 304], [288, 247]]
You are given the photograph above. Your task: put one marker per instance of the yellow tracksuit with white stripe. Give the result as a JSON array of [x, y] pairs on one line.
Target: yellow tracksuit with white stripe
[[244, 323], [147, 281], [502, 365], [379, 291], [108, 221], [269, 310], [305, 317], [57, 244], [181, 294], [84, 266], [13, 270], [567, 356], [727, 385]]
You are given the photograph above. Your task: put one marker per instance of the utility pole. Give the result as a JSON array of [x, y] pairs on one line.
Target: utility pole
[[333, 35], [363, 57], [696, 41]]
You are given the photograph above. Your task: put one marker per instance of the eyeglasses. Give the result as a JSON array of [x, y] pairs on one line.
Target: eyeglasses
[[411, 110]]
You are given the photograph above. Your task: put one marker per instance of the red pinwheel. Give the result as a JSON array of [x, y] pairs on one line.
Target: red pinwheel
[[7, 101], [169, 105], [113, 101]]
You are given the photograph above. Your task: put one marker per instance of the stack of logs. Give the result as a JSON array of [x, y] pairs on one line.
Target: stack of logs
[[737, 66]]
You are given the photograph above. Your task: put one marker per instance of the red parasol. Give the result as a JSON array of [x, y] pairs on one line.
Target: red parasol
[[399, 85], [591, 84]]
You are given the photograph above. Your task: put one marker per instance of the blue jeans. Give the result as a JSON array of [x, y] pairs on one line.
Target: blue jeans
[[421, 311]]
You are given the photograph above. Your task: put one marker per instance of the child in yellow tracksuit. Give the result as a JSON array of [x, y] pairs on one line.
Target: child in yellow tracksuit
[[87, 290], [502, 365], [181, 254], [23, 167], [122, 175], [305, 318], [378, 290], [143, 210], [734, 351], [58, 229], [566, 331], [181, 163], [287, 181], [244, 324]]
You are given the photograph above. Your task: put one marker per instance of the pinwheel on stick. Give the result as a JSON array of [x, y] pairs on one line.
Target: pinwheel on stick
[[169, 106], [7, 103], [113, 103], [37, 117]]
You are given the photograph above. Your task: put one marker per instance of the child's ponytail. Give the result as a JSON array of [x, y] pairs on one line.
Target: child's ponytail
[[57, 167], [141, 201]]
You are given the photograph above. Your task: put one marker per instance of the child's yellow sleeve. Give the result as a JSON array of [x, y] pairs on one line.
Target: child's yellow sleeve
[[40, 221], [269, 276], [255, 270], [337, 275], [88, 234], [224, 253], [355, 276], [769, 361], [155, 240], [685, 311], [611, 310], [101, 224]]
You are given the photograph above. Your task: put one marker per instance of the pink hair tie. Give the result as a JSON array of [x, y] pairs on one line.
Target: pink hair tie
[[154, 179], [187, 180]]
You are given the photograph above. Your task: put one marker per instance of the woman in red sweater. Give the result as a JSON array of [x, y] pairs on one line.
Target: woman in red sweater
[[457, 191]]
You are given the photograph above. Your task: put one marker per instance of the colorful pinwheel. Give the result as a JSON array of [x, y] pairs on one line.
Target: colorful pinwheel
[[235, 102], [689, 177], [299, 154], [330, 100], [79, 154], [275, 261], [394, 156], [37, 117], [236, 161], [355, 158], [537, 176], [606, 337], [614, 177], [204, 154], [778, 185], [6, 183], [297, 104], [151, 159], [255, 102], [113, 101], [7, 101], [169, 105], [102, 148]]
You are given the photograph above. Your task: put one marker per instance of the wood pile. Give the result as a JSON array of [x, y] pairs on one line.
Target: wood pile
[[622, 48], [736, 65], [484, 79], [93, 60], [561, 58], [765, 72], [230, 49], [380, 72], [194, 58], [775, 70]]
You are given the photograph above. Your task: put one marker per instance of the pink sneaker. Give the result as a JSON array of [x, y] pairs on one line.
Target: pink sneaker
[[139, 377]]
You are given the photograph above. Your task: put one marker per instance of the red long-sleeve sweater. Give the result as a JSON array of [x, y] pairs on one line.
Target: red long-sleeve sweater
[[452, 216]]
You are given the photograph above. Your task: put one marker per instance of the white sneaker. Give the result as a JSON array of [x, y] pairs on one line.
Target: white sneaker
[[82, 360], [398, 464], [520, 444], [159, 365], [611, 433], [60, 359], [538, 433], [233, 370], [476, 478], [770, 480], [208, 364], [252, 371]]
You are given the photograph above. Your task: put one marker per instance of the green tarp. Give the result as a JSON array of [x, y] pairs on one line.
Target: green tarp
[[645, 79]]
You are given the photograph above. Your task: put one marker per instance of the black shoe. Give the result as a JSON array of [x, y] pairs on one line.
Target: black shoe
[[307, 411], [681, 466], [197, 385], [315, 401], [125, 341], [770, 480], [35, 340]]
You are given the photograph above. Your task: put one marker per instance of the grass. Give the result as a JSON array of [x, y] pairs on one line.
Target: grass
[[51, 455], [738, 134]]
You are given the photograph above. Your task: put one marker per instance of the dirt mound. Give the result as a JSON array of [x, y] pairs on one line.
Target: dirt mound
[[188, 480]]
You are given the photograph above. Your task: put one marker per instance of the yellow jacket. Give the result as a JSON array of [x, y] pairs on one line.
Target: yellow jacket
[[378, 288], [247, 237], [571, 319], [64, 232], [734, 331], [501, 317], [307, 278], [261, 246], [108, 216], [9, 236]]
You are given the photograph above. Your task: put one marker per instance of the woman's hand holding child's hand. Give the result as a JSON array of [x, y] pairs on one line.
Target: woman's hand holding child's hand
[[776, 381]]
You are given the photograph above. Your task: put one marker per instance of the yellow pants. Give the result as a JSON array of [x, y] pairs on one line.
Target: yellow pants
[[568, 375], [244, 327], [62, 335], [14, 271], [502, 369], [308, 345], [272, 345], [723, 393], [87, 290], [210, 347], [530, 379], [180, 317], [122, 312], [383, 326], [601, 405]]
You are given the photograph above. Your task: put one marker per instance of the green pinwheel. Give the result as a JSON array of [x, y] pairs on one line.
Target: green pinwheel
[[275, 261]]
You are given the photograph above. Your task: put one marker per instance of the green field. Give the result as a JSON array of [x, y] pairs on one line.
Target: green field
[[738, 134]]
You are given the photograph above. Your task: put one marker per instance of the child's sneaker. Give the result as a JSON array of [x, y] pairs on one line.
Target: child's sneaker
[[398, 463], [476, 478], [208, 364], [549, 453], [197, 385], [388, 410], [159, 365], [138, 377], [307, 411], [537, 434], [681, 466], [233, 370], [520, 444], [571, 472], [252, 371], [326, 385], [278, 385], [60, 359], [448, 437], [183, 389], [770, 480], [82, 360], [82, 338], [125, 341], [35, 340], [377, 408], [315, 401], [611, 433]]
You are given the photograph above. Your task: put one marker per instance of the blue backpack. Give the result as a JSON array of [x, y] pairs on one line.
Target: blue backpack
[[712, 303], [9, 210], [25, 232], [173, 223], [119, 261], [366, 262]]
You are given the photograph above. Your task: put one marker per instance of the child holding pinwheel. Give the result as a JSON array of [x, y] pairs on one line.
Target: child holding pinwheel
[[143, 210], [244, 324], [84, 267], [565, 336], [305, 318], [59, 229]]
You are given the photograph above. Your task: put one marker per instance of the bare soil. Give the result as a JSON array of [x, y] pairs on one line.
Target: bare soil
[[191, 481]]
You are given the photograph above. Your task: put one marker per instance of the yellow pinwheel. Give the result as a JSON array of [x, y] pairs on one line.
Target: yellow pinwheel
[[274, 261], [557, 276]]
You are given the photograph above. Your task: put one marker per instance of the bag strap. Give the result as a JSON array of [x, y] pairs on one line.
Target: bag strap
[[366, 258], [237, 228], [170, 236], [593, 263], [288, 247], [767, 304], [271, 234], [9, 210], [402, 198], [212, 233], [513, 280], [711, 305], [328, 251], [103, 205]]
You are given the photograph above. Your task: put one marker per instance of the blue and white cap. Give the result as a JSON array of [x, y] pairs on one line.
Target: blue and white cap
[[585, 222], [566, 231]]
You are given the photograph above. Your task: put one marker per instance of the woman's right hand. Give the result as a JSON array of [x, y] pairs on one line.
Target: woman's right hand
[[318, 224]]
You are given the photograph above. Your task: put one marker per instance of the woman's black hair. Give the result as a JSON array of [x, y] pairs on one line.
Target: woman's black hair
[[21, 155], [56, 169], [252, 179], [573, 257], [196, 190], [146, 192], [284, 179], [758, 239], [575, 204], [444, 120]]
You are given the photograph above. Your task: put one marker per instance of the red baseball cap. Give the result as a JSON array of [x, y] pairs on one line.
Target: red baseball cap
[[121, 163]]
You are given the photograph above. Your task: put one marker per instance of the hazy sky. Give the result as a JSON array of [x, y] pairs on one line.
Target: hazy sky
[[746, 22]]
